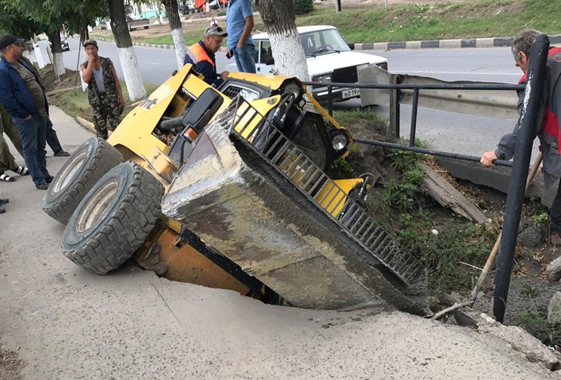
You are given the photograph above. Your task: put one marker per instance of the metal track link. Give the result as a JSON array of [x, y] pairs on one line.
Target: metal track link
[[275, 148]]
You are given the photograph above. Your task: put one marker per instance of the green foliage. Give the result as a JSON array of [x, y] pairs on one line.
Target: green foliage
[[399, 194], [469, 19], [303, 6], [548, 330], [343, 166]]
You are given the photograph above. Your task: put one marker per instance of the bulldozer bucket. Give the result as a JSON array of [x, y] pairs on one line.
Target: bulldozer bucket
[[252, 194]]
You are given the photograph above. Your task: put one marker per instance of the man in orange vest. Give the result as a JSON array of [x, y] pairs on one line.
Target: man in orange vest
[[201, 55], [548, 127]]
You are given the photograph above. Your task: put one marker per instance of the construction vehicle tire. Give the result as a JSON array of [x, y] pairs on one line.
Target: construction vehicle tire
[[81, 172], [113, 219]]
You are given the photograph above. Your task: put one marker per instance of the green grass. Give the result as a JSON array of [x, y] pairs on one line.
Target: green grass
[[470, 19], [484, 18], [75, 101]]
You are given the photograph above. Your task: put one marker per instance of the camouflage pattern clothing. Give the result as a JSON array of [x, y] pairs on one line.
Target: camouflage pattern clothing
[[10, 129], [7, 161], [106, 107]]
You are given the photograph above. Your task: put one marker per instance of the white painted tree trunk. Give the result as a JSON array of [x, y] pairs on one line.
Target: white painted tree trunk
[[180, 48], [59, 64], [131, 72], [290, 59]]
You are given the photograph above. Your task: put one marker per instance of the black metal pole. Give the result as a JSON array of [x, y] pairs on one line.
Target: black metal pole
[[528, 120], [330, 100], [429, 151], [414, 117]]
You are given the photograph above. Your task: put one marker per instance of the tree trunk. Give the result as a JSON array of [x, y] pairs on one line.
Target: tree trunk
[[127, 56], [139, 10], [279, 19], [172, 12], [56, 49], [158, 12]]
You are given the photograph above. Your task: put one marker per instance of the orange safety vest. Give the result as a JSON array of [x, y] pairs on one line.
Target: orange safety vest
[[197, 54]]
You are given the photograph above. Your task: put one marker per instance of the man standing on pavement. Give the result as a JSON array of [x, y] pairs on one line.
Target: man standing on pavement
[[52, 138], [201, 55], [239, 20], [104, 90], [24, 98], [548, 127]]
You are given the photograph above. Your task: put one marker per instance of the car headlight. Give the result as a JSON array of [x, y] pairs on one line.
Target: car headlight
[[322, 78], [339, 142]]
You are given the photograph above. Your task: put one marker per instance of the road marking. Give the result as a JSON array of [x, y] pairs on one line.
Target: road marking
[[154, 63]]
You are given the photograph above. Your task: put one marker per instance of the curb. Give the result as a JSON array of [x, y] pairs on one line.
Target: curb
[[431, 44], [447, 44]]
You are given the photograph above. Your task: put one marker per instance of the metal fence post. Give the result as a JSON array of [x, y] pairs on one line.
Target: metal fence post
[[394, 108], [528, 119]]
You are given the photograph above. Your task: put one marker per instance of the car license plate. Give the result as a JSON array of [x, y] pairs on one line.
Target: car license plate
[[351, 93]]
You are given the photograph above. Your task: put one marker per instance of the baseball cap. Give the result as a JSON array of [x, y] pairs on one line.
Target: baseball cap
[[8, 39], [90, 42], [215, 31]]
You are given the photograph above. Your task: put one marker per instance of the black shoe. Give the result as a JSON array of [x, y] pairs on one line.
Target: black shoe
[[49, 179], [61, 153], [4, 201], [2, 210], [42, 186]]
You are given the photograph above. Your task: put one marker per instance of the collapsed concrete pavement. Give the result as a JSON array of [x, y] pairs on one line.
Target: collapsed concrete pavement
[[131, 324]]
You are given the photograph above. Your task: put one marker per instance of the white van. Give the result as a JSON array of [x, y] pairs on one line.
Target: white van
[[330, 59]]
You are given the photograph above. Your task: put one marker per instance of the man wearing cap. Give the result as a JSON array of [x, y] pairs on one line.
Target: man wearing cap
[[201, 55], [24, 98], [104, 90]]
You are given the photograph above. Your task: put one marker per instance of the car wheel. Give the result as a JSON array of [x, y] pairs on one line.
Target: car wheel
[[114, 219], [79, 174]]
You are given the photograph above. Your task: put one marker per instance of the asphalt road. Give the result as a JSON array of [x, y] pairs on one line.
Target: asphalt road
[[448, 131]]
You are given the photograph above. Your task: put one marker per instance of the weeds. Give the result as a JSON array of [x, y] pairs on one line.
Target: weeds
[[548, 330]]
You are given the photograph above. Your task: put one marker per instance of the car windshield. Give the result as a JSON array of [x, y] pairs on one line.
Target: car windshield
[[323, 42]]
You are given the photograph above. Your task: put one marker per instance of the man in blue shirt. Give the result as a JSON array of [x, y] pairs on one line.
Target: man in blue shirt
[[201, 55], [239, 19]]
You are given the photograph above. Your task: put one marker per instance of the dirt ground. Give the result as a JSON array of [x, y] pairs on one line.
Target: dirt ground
[[52, 83], [10, 365]]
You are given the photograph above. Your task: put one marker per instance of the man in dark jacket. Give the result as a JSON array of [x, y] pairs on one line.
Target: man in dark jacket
[[24, 98], [201, 55], [548, 126]]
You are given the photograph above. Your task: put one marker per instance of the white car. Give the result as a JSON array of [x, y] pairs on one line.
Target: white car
[[330, 59]]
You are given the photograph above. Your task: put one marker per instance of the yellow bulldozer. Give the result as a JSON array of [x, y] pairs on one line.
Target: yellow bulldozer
[[234, 188]]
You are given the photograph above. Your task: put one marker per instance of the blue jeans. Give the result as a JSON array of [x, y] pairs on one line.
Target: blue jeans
[[33, 135], [245, 58]]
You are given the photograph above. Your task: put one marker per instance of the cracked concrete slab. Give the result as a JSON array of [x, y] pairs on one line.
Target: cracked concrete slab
[[131, 324]]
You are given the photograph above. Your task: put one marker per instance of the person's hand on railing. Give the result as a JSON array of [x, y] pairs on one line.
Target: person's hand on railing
[[488, 158]]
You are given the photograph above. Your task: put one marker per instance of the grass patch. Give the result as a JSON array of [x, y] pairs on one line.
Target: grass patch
[[484, 18], [346, 117], [74, 102], [473, 19]]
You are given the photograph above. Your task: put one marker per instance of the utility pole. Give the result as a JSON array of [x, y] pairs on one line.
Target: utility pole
[[338, 5]]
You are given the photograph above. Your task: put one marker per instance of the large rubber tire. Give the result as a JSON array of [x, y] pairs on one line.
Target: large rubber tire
[[81, 172], [113, 219]]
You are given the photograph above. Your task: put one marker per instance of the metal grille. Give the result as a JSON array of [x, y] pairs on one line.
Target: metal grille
[[232, 91], [345, 75], [295, 166]]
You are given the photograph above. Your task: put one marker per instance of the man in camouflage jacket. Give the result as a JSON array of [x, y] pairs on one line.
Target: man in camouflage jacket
[[104, 90]]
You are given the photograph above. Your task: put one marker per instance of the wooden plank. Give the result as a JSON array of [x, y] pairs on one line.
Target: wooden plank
[[447, 196]]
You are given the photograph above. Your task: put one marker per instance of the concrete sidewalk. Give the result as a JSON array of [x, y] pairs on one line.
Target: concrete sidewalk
[[133, 325]]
